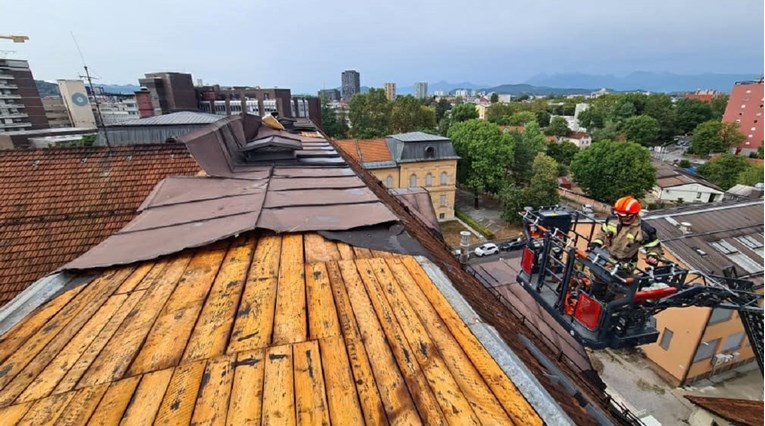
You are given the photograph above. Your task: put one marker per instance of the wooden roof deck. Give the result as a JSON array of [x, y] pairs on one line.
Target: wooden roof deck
[[262, 328]]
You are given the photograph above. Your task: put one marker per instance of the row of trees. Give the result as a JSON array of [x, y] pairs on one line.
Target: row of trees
[[728, 170]]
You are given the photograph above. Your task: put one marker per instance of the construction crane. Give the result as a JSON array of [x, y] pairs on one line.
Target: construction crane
[[15, 38], [606, 304]]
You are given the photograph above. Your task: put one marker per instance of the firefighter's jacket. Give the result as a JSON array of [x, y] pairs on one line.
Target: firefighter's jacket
[[624, 241]]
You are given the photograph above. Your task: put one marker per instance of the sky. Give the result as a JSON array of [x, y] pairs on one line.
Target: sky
[[305, 45]]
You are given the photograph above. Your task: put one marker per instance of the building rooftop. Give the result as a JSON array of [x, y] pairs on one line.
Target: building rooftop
[[668, 176], [60, 202], [173, 119], [366, 150], [418, 137], [739, 411]]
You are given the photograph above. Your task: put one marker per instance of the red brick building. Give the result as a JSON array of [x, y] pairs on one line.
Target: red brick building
[[745, 109]]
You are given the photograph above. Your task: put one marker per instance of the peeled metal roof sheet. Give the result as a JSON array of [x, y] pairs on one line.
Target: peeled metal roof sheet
[[325, 218], [283, 184], [322, 172], [419, 202], [316, 197], [176, 190]]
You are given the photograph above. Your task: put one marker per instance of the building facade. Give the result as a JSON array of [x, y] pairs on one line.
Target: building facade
[[350, 84], [698, 342], [411, 160], [390, 91], [56, 112], [257, 101], [20, 105], [745, 109], [170, 92], [421, 90], [331, 95], [77, 103]]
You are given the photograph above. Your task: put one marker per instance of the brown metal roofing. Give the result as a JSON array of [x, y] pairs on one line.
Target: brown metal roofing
[[419, 202], [59, 202], [271, 329], [366, 150], [740, 411], [668, 176]]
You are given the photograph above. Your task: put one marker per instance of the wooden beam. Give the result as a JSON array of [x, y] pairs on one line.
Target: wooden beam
[[212, 402], [290, 319], [178, 404], [145, 403], [278, 387], [322, 315], [310, 399], [245, 404]]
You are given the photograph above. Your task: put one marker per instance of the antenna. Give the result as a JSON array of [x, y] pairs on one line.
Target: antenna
[[95, 98]]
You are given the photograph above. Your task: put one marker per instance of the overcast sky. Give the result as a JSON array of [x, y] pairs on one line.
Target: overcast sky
[[304, 45]]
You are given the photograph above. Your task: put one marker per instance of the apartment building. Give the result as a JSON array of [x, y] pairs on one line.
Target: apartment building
[[745, 107], [20, 105]]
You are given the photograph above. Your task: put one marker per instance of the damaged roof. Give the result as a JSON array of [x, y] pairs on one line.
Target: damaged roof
[[740, 411], [60, 202]]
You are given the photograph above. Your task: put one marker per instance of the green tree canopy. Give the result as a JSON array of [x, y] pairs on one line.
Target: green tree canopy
[[689, 113], [370, 114], [558, 127], [609, 170], [642, 129], [718, 105], [499, 111], [723, 170], [463, 112], [542, 191], [485, 154], [562, 152], [408, 115], [752, 175], [494, 98], [522, 118], [528, 144], [714, 136], [333, 126], [441, 107]]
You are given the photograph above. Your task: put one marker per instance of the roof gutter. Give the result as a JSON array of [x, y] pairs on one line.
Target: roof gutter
[[32, 297], [544, 404]]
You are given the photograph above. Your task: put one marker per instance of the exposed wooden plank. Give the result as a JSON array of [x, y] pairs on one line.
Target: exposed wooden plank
[[212, 402], [46, 411], [344, 408], [382, 254], [83, 404], [365, 386], [332, 251], [310, 399], [11, 414], [135, 278], [394, 394], [346, 252], [322, 315], [145, 403], [112, 362], [255, 317], [290, 317], [362, 253], [403, 352], [211, 333], [167, 339], [178, 404], [278, 391], [69, 381], [114, 402], [19, 334], [247, 389], [103, 289], [152, 277], [508, 395], [47, 380], [453, 402], [481, 398], [315, 248]]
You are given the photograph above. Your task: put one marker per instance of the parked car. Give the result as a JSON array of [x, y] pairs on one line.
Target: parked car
[[515, 244], [588, 209], [486, 249]]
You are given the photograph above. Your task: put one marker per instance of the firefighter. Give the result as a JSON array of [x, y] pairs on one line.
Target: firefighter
[[624, 239]]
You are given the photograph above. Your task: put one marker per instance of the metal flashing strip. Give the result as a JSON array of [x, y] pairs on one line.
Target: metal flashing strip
[[513, 367]]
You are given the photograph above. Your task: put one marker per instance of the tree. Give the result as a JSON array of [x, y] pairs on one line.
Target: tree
[[485, 154], [690, 113], [714, 136], [408, 114], [660, 107], [334, 127], [441, 107], [528, 144], [542, 191], [642, 129], [494, 98], [592, 118], [562, 152], [608, 133], [558, 127], [464, 112], [498, 111], [723, 170], [370, 114], [752, 175], [718, 105], [609, 170], [522, 118]]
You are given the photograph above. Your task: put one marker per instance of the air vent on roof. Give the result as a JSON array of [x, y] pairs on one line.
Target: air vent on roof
[[685, 228], [672, 221], [271, 148]]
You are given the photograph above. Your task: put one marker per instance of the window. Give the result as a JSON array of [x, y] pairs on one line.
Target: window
[[706, 350], [749, 241], [442, 215], [720, 315], [444, 178], [698, 195], [723, 247], [746, 263], [700, 251], [753, 129], [733, 342], [430, 152], [748, 91], [412, 180], [389, 182], [666, 338], [443, 201], [428, 180]]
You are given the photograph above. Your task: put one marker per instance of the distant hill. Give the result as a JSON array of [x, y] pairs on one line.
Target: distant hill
[[642, 80], [46, 88], [527, 89]]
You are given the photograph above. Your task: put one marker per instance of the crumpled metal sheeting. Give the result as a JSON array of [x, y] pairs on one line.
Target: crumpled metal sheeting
[[324, 218], [284, 184], [318, 197], [312, 172], [177, 190]]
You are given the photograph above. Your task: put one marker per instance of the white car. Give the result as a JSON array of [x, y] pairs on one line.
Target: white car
[[486, 249]]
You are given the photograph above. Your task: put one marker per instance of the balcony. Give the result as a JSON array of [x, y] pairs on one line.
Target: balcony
[[4, 96], [15, 125], [6, 77], [4, 115], [8, 86]]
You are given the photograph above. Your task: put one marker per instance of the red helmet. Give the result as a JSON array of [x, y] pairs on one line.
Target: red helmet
[[626, 206]]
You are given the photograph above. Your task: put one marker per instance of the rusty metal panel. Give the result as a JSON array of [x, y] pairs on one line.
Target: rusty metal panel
[[281, 184], [419, 202], [327, 218], [316, 172], [176, 190], [318, 197]]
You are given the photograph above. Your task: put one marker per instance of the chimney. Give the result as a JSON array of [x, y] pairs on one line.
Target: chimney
[[464, 246], [685, 228]]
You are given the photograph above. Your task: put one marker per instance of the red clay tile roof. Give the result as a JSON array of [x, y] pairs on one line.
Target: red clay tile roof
[[740, 411], [372, 150], [58, 203]]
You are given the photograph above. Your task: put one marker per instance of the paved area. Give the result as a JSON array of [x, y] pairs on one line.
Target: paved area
[[630, 380]]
